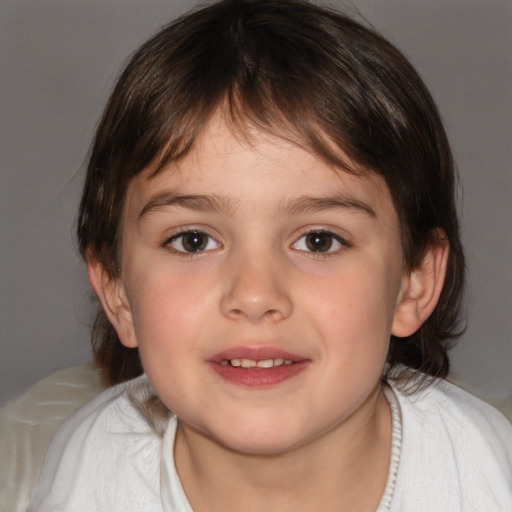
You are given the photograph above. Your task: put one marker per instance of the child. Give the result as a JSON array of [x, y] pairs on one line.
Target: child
[[268, 221]]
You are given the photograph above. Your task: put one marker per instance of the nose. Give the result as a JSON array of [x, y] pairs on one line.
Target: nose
[[256, 289]]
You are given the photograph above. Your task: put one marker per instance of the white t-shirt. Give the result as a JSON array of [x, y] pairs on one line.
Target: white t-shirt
[[450, 452]]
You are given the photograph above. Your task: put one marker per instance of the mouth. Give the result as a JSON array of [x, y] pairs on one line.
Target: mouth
[[258, 366]]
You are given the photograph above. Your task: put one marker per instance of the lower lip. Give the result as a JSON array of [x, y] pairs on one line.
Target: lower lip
[[259, 377]]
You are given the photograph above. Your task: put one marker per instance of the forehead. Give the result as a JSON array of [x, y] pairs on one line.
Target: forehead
[[254, 166]]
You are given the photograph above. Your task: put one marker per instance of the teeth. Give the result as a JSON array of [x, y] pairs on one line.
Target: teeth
[[266, 363], [252, 363]]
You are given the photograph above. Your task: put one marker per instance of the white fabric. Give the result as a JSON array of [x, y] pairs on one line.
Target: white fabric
[[456, 455], [28, 423], [396, 450], [105, 458], [173, 496]]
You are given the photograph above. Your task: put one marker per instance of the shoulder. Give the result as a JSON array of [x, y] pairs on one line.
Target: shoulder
[[29, 422], [453, 411], [457, 445], [443, 400], [106, 455]]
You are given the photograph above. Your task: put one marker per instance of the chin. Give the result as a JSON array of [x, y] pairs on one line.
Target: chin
[[260, 445], [259, 439]]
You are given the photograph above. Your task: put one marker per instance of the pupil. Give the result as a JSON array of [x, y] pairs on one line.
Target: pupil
[[194, 242], [319, 242]]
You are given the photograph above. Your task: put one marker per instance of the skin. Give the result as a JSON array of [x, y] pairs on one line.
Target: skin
[[319, 440]]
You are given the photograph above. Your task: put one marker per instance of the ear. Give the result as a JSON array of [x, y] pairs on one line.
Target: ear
[[114, 301], [421, 288]]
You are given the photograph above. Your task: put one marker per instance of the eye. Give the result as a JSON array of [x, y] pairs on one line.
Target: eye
[[319, 242], [192, 241]]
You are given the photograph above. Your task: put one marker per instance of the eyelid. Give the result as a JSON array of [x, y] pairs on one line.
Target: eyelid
[[181, 232], [342, 241]]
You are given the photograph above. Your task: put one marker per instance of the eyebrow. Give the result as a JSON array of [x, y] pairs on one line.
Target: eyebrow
[[222, 204], [308, 204], [205, 203]]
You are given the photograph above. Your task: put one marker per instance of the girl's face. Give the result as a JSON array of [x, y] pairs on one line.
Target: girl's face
[[261, 287]]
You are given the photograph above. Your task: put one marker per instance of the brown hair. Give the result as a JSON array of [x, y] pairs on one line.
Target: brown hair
[[290, 67]]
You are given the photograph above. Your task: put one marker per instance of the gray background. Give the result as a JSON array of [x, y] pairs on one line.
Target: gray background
[[58, 62]]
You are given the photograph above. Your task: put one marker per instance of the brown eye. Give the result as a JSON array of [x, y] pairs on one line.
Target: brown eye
[[193, 241], [319, 242]]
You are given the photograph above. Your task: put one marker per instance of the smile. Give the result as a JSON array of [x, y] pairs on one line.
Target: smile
[[253, 363], [257, 367]]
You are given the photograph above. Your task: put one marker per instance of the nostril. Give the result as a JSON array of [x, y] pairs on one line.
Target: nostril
[[236, 312]]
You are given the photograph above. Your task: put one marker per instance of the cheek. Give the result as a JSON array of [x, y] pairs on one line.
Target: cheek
[[166, 307], [351, 295], [169, 323], [353, 311]]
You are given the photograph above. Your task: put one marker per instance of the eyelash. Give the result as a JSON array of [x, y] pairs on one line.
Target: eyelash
[[168, 243], [329, 237], [333, 239]]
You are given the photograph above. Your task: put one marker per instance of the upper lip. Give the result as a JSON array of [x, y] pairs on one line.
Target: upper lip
[[257, 353]]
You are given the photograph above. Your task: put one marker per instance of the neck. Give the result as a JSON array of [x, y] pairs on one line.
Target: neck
[[344, 469]]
